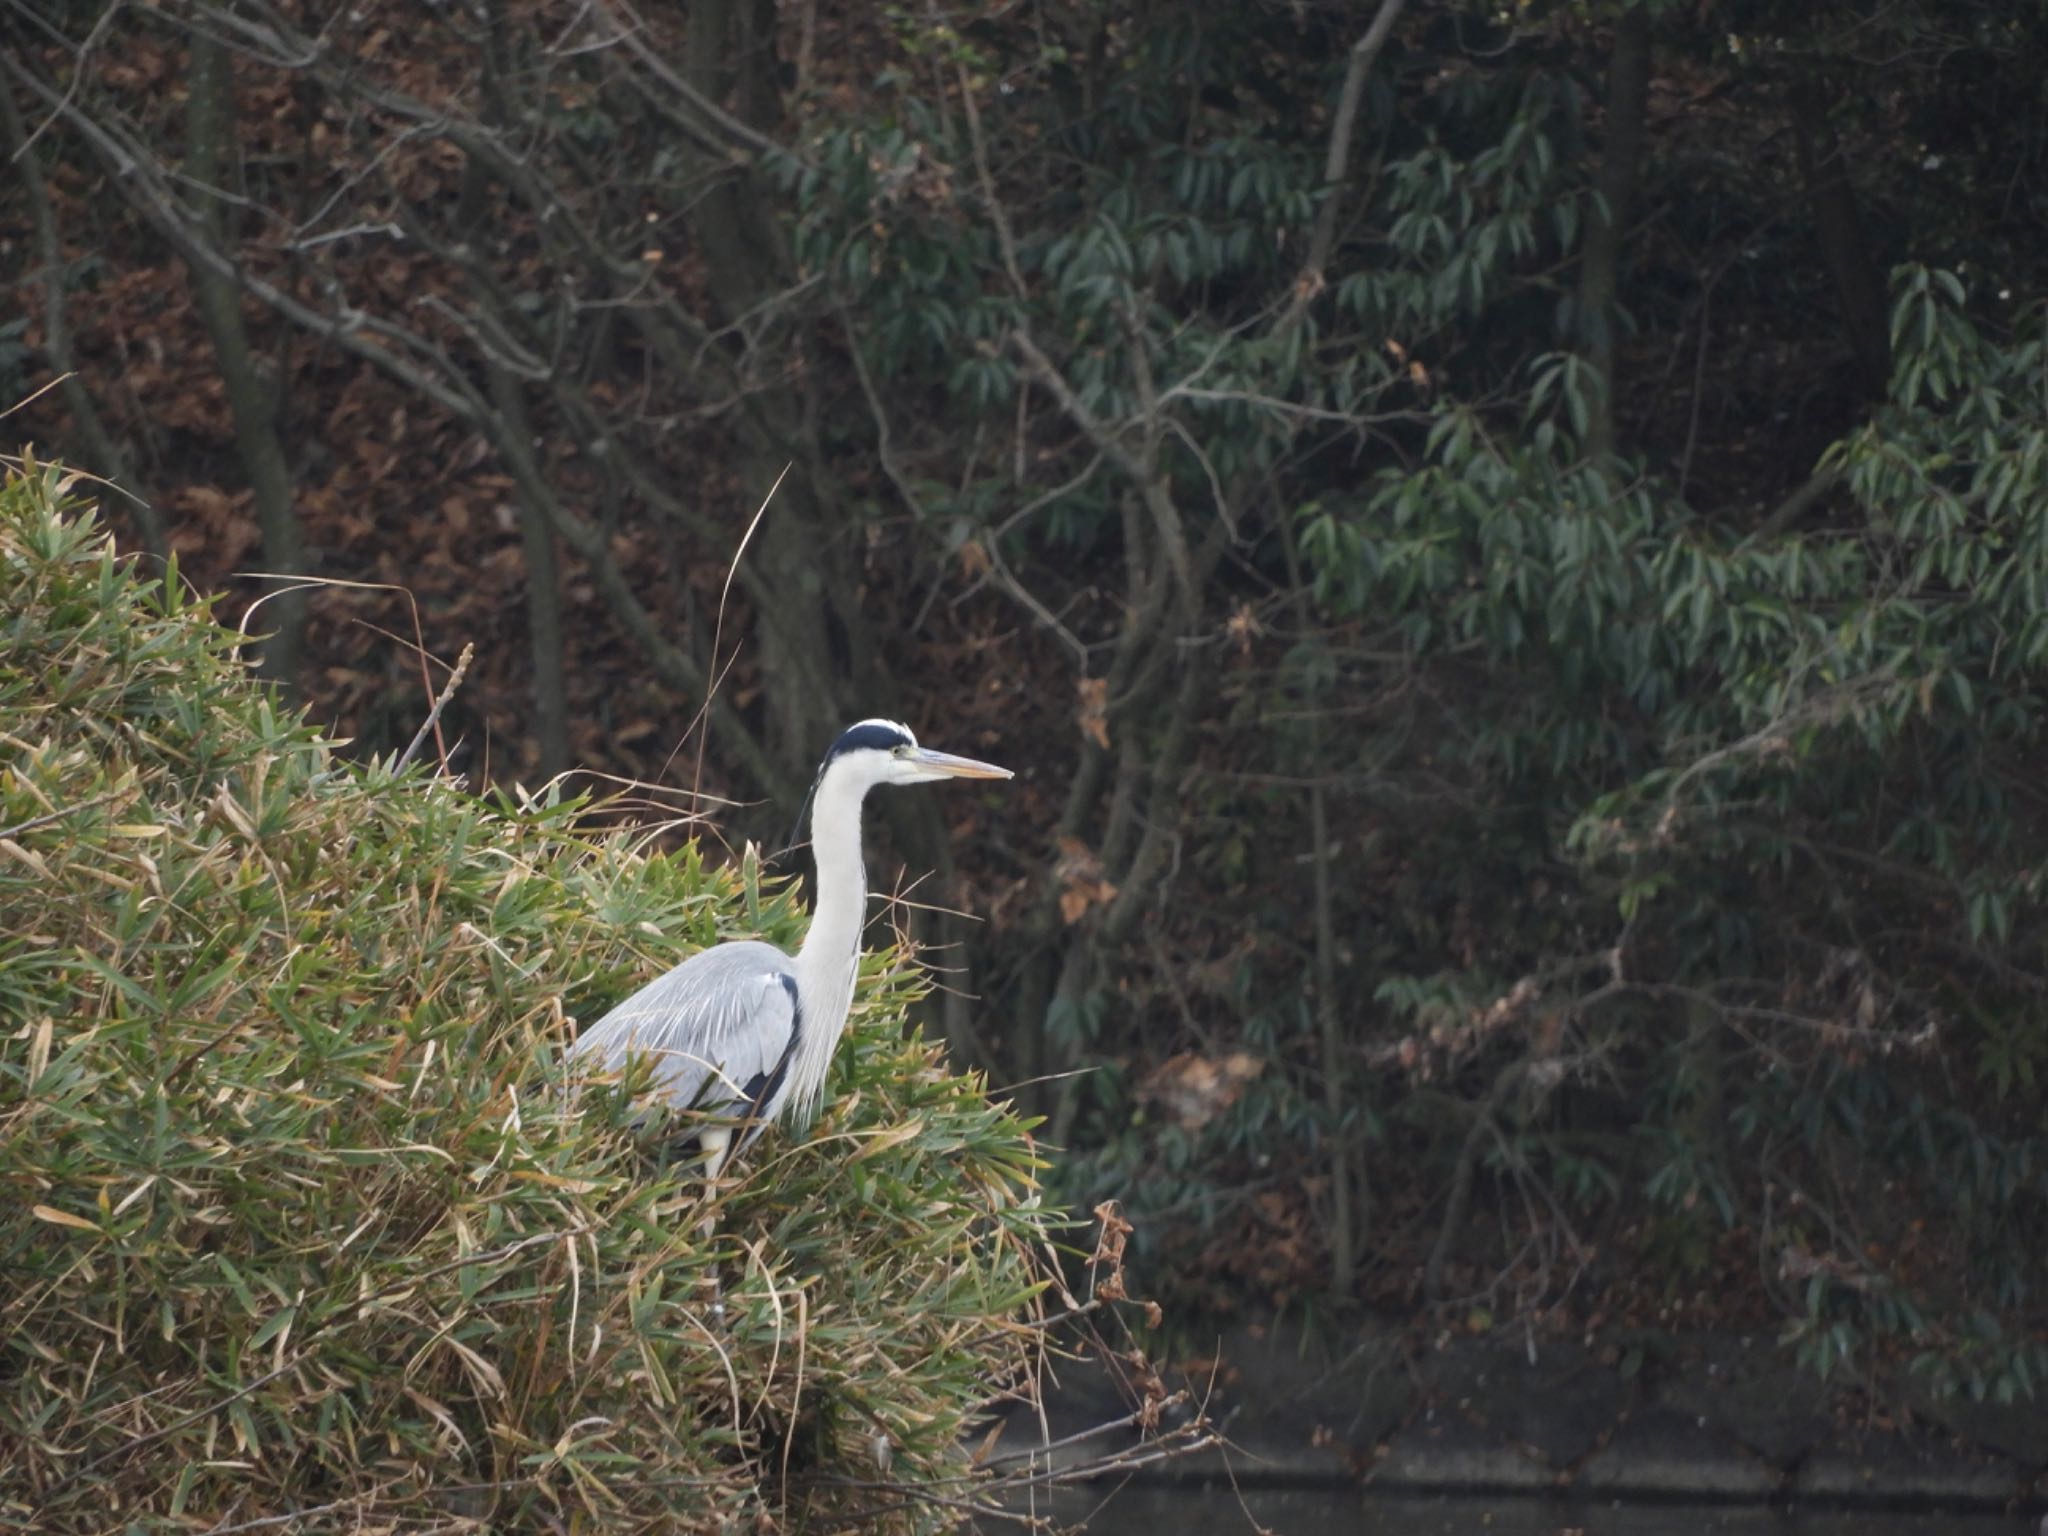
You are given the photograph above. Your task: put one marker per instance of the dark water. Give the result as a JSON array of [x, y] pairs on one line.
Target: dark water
[[1223, 1511]]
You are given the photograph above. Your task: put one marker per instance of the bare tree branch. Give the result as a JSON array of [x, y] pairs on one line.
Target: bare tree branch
[[1337, 160], [99, 442]]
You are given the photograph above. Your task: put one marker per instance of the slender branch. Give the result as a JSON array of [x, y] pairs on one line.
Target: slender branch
[[440, 381], [1106, 441], [1795, 506], [1461, 1176], [999, 216], [1337, 160], [60, 813], [879, 413], [79, 55], [351, 330], [710, 126], [98, 441]]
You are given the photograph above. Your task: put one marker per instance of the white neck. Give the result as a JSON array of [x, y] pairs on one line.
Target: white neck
[[830, 955]]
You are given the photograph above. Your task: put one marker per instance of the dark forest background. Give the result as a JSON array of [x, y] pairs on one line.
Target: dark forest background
[[1508, 544]]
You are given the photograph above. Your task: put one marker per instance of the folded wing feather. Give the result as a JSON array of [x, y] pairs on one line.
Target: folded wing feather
[[721, 1028]]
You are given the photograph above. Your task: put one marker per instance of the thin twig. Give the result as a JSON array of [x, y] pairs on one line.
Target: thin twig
[[60, 813], [999, 216], [440, 703], [717, 675]]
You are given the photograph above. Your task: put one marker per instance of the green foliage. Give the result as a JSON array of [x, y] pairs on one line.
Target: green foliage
[[1165, 254], [301, 1221], [1701, 847], [1792, 769]]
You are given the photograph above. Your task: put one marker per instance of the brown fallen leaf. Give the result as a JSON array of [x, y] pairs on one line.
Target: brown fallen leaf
[[1094, 716], [1082, 885], [1195, 1089]]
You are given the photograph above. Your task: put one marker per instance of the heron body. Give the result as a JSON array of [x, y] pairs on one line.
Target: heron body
[[743, 1030]]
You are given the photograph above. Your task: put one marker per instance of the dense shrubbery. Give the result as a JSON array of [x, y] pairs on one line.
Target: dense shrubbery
[[295, 1217]]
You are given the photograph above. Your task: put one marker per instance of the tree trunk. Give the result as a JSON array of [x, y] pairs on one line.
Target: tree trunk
[[1628, 89], [1346, 1205], [543, 586], [800, 573], [251, 387], [515, 433], [1838, 220]]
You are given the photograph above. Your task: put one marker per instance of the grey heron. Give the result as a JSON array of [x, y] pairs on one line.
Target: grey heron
[[743, 1030]]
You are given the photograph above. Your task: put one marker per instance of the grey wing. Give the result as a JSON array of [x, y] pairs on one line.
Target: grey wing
[[721, 1027]]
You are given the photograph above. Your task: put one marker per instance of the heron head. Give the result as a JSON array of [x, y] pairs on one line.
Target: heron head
[[883, 752]]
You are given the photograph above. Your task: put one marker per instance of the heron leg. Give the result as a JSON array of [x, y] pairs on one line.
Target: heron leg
[[716, 1144]]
